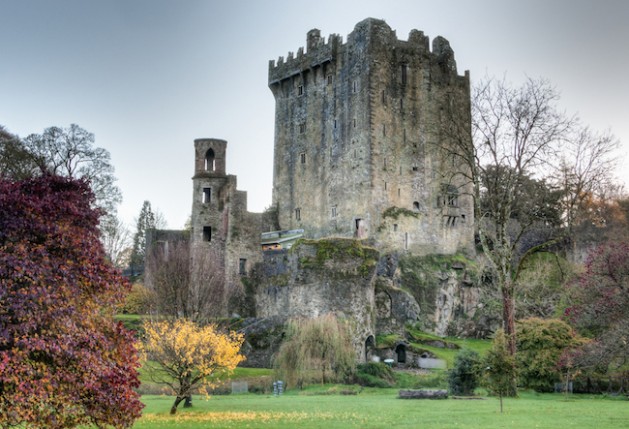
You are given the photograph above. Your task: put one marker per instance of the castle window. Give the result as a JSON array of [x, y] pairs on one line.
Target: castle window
[[335, 124], [333, 211], [354, 86], [242, 267], [383, 98], [416, 206], [415, 168], [300, 90], [404, 73], [297, 214], [354, 123], [384, 130], [329, 79], [395, 227], [207, 233], [302, 128], [207, 195], [450, 196], [302, 157], [385, 186], [210, 162]]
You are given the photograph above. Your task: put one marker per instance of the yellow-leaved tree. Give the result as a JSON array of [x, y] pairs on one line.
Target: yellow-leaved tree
[[187, 357]]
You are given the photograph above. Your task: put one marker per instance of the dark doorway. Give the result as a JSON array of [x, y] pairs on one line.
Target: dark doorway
[[370, 344], [400, 350]]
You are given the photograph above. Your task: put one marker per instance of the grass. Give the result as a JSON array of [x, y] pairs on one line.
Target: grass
[[324, 407]]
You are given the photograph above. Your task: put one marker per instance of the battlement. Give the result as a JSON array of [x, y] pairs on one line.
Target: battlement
[[319, 52]]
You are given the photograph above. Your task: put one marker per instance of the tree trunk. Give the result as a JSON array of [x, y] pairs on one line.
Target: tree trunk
[[508, 316], [178, 400], [508, 321]]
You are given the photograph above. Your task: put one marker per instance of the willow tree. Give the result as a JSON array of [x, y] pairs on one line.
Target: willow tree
[[318, 349]]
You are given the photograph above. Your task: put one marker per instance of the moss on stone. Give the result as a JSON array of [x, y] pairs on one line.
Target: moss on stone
[[422, 276], [394, 212], [338, 249]]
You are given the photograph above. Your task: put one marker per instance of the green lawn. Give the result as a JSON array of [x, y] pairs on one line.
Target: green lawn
[[380, 408]]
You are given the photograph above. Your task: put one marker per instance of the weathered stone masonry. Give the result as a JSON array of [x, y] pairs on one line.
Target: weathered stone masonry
[[359, 131], [362, 130]]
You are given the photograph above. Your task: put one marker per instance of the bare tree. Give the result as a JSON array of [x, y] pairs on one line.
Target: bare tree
[[517, 133], [71, 152], [584, 171], [188, 283], [116, 239]]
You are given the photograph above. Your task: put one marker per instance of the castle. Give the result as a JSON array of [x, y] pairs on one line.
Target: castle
[[362, 131]]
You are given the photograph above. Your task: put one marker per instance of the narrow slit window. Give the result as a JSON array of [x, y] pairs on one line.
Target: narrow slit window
[[207, 195], [302, 157], [333, 211], [404, 74], [302, 128], [298, 214], [242, 266], [300, 90]]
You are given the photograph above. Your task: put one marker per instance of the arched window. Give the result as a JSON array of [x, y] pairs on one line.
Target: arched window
[[210, 161], [416, 206]]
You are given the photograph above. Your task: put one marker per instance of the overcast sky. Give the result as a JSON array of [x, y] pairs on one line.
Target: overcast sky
[[147, 77]]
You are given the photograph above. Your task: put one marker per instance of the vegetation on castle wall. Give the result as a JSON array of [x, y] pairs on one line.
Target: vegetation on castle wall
[[422, 276], [338, 249], [395, 213]]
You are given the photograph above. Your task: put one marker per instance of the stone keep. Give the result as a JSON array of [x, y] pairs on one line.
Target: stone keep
[[362, 131]]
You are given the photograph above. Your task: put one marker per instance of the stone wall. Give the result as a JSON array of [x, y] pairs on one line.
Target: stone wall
[[320, 277]]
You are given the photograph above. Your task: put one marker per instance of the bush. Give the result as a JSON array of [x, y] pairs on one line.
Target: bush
[[540, 346], [463, 378], [374, 374], [138, 301]]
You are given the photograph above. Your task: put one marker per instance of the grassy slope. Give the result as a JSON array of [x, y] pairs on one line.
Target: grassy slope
[[379, 408]]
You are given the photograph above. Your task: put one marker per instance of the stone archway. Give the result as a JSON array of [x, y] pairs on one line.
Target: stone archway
[[400, 351]]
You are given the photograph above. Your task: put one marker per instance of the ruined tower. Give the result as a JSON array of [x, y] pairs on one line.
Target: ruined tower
[[362, 131], [225, 237]]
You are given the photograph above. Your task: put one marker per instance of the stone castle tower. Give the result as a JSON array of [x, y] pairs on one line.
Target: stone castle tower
[[362, 131], [361, 136]]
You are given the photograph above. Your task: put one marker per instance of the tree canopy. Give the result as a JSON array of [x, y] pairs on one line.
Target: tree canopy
[[186, 357], [64, 361]]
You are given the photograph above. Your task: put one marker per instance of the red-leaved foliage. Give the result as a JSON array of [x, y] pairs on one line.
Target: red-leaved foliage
[[600, 306], [64, 361]]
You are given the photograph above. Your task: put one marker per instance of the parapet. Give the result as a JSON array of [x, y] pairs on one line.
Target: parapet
[[319, 52]]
